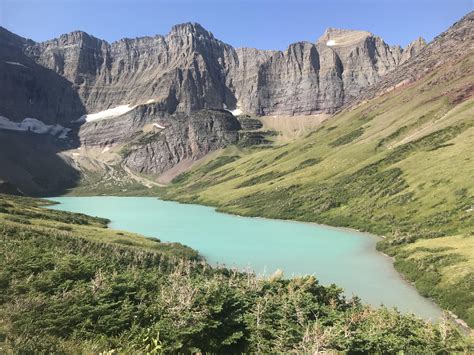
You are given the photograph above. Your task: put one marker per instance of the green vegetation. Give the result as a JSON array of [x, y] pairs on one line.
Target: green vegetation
[[219, 162], [441, 268], [425, 272], [308, 162], [399, 165], [347, 138], [108, 180], [70, 285], [211, 166], [260, 179], [281, 155], [251, 138]]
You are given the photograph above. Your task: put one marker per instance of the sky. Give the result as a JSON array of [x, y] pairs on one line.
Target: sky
[[263, 24]]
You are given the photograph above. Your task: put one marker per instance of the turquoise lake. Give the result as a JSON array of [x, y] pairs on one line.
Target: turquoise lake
[[344, 257]]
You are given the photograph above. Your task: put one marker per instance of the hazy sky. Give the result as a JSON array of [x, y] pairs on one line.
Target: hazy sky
[[262, 24]]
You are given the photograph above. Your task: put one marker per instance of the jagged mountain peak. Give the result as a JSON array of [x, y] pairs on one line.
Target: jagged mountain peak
[[456, 43], [193, 28], [189, 69], [419, 40], [299, 44], [343, 37], [413, 49], [75, 37], [76, 34]]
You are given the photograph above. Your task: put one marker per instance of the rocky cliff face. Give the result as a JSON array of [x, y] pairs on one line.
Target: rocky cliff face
[[189, 70], [183, 69], [178, 85], [413, 49], [30, 163], [449, 46], [152, 143], [28, 89], [364, 58], [316, 77], [181, 138], [302, 80]]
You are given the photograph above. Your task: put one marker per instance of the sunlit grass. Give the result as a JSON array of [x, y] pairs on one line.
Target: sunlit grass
[[420, 137], [458, 244]]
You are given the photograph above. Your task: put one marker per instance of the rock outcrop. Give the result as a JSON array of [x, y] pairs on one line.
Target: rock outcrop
[[153, 143], [183, 137], [413, 49]]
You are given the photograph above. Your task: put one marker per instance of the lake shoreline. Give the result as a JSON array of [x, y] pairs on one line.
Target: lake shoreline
[[305, 257], [452, 316], [217, 209]]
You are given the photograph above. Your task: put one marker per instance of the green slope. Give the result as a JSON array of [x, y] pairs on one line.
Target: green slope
[[399, 165], [70, 285]]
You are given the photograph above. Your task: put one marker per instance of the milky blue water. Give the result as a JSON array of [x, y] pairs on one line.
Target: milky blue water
[[344, 257]]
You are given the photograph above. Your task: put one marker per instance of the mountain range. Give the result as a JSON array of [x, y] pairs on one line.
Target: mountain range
[[188, 70], [165, 80]]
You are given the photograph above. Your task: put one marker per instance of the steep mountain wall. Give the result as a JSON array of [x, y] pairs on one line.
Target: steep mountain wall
[[181, 82], [189, 70], [28, 89], [152, 143]]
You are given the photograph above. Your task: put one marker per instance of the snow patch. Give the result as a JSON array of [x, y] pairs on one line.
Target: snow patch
[[105, 150], [331, 42], [156, 125], [16, 63], [151, 101], [235, 112], [35, 126], [5, 123], [110, 113]]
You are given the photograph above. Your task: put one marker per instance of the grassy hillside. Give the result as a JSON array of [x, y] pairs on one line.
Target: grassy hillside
[[399, 165], [70, 285]]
